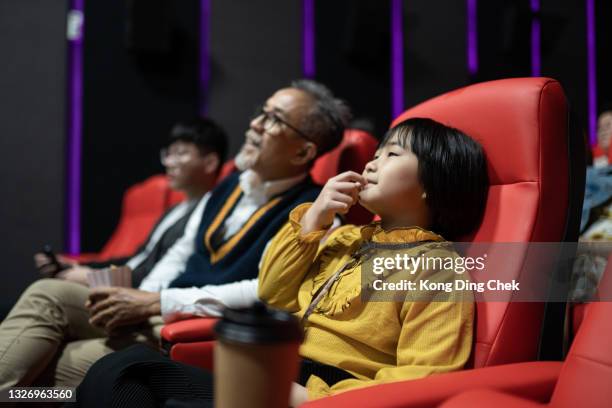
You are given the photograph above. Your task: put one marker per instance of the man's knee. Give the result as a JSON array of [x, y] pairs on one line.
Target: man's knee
[[51, 297], [73, 361], [54, 287]]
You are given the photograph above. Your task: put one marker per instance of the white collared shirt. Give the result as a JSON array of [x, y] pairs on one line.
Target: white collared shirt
[[209, 300], [256, 194]]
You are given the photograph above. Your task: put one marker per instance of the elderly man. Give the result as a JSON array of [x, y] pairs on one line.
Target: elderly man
[[61, 337]]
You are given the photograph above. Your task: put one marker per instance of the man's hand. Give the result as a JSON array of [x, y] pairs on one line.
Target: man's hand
[[114, 307], [47, 268], [338, 195]]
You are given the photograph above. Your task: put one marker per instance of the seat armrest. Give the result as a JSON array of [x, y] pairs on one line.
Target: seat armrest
[[199, 354], [188, 331], [533, 380], [488, 398]]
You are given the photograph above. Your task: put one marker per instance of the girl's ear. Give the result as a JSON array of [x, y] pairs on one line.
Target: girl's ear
[[424, 196]]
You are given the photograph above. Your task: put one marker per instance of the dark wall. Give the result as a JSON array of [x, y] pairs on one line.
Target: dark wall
[[353, 53], [352, 56], [256, 48], [603, 17], [564, 51], [504, 39], [435, 56], [504, 29], [137, 83], [32, 123]]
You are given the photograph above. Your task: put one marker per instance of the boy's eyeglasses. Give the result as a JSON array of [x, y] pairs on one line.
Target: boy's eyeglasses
[[168, 157], [271, 119]]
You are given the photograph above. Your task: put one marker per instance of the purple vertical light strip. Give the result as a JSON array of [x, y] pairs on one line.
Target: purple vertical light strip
[[308, 39], [397, 59], [204, 57], [536, 56], [472, 37], [75, 26], [591, 71]]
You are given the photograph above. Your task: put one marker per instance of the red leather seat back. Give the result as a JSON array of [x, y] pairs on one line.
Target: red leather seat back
[[586, 377], [356, 149], [522, 125], [143, 204]]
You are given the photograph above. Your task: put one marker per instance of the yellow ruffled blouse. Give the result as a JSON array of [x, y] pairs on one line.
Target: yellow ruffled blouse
[[378, 341]]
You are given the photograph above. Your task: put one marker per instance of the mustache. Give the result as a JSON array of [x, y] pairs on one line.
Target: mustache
[[254, 134], [253, 138]]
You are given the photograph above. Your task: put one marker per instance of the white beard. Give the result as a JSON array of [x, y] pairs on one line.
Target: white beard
[[245, 160]]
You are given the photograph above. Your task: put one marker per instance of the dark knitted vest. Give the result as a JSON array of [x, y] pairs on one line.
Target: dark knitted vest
[[166, 241], [216, 261]]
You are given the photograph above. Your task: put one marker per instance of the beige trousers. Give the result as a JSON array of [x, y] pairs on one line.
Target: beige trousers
[[46, 340]]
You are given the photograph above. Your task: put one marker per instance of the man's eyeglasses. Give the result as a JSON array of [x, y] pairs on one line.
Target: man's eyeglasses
[[271, 119], [168, 157]]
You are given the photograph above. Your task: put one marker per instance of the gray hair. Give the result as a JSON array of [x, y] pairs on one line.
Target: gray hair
[[327, 119]]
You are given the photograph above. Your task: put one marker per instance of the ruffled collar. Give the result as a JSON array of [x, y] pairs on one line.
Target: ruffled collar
[[346, 291], [374, 232]]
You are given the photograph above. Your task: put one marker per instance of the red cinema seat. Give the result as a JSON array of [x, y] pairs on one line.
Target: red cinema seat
[[522, 124], [585, 379], [142, 205], [535, 196]]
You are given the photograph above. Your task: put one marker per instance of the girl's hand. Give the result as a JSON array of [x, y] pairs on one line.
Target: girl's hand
[[338, 195]]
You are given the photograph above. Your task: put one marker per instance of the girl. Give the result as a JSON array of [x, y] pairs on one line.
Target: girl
[[428, 183]]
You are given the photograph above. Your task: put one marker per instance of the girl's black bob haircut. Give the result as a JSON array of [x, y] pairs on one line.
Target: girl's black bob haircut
[[452, 171]]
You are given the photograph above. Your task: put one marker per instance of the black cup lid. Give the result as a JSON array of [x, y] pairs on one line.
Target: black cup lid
[[258, 324]]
